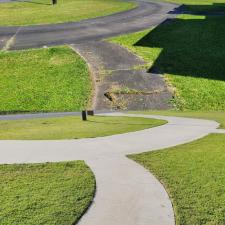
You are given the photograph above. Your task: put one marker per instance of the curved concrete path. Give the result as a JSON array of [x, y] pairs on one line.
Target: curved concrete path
[[127, 194], [147, 14]]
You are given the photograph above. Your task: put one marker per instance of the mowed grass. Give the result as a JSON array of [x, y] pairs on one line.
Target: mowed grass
[[72, 127], [194, 176], [51, 193], [217, 116], [190, 52], [51, 79], [42, 12]]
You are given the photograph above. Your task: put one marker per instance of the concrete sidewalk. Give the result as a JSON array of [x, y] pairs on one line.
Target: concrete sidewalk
[[126, 194]]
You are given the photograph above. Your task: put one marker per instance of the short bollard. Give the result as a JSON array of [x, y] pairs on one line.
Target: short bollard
[[90, 112], [84, 115]]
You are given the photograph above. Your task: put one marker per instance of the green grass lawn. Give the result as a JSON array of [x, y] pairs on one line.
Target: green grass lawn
[[217, 116], [72, 127], [51, 79], [190, 52], [42, 12], [194, 176], [48, 193]]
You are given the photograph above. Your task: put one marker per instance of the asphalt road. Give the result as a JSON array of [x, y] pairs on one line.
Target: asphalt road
[[146, 15]]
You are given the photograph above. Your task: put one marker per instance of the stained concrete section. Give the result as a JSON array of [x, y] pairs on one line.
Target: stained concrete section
[[126, 193], [147, 14], [121, 82]]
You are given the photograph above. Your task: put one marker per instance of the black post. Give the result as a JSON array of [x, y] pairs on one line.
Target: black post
[[54, 2], [90, 112], [84, 115]]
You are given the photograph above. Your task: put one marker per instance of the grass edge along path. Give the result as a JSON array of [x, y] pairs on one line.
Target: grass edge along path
[[45, 193], [44, 80], [72, 127], [216, 116], [194, 176]]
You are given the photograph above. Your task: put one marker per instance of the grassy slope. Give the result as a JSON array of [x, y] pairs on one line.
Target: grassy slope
[[190, 51], [194, 176], [42, 12], [72, 127], [217, 116], [53, 79], [51, 193]]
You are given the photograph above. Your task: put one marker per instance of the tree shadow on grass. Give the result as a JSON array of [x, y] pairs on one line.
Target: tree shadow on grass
[[193, 46], [214, 8]]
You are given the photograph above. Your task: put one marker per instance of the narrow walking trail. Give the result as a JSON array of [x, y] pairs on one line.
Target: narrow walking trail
[[126, 194]]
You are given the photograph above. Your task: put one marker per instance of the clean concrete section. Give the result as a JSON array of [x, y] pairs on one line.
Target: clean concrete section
[[126, 193], [147, 14], [116, 69]]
